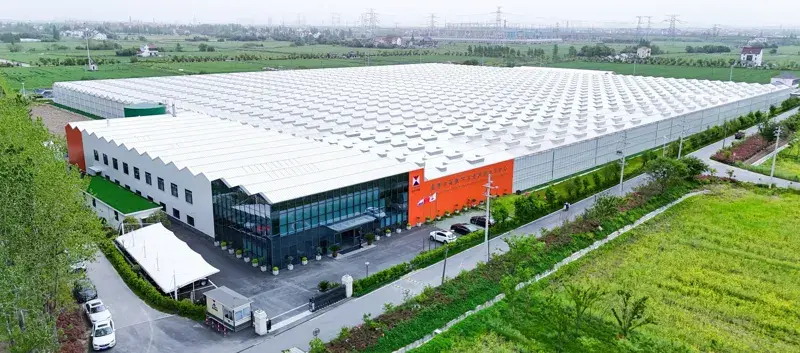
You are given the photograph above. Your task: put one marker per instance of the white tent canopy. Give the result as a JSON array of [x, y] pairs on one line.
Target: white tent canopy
[[164, 257]]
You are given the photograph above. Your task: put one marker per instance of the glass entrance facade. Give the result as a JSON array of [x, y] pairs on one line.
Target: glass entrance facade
[[296, 228]]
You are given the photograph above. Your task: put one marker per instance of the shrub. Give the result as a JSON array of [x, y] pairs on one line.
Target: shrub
[[377, 279], [370, 238], [303, 258], [275, 268], [254, 261], [323, 286], [238, 251]]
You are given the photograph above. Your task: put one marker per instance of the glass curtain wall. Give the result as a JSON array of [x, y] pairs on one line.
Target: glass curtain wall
[[296, 228]]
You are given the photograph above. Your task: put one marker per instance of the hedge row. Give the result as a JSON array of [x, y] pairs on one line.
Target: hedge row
[[145, 290]]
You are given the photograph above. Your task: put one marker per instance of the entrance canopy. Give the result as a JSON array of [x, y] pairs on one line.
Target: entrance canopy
[[165, 258], [351, 223]]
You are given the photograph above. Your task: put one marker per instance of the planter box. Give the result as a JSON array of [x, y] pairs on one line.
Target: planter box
[[304, 262], [238, 256], [263, 268], [256, 265], [275, 272], [247, 259], [216, 243], [231, 251], [419, 224], [290, 267], [224, 248], [398, 231], [318, 257]]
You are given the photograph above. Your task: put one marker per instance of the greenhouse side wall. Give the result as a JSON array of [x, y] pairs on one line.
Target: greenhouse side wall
[[544, 167]]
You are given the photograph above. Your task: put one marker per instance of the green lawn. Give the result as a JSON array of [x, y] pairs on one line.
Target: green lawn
[[704, 73], [787, 166], [118, 197], [720, 273]]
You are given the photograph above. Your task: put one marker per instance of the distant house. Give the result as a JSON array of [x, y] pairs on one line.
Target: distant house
[[147, 50], [389, 40], [100, 36], [785, 78], [643, 52], [752, 56]]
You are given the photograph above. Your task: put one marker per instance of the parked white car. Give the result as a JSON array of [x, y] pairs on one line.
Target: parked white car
[[96, 310], [103, 336], [443, 236]]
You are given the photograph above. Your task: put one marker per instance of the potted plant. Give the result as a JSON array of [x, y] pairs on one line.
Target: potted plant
[[438, 217], [318, 256], [231, 251], [224, 245], [275, 270], [398, 230], [446, 214], [247, 258], [263, 267], [408, 226], [335, 250], [290, 266], [216, 243], [370, 238], [304, 260], [239, 253], [255, 262], [388, 232], [427, 220]]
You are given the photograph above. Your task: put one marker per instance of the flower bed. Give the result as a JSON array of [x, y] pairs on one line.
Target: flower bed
[[73, 331], [742, 151]]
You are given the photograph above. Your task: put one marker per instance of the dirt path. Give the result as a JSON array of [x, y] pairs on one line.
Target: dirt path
[[55, 118]]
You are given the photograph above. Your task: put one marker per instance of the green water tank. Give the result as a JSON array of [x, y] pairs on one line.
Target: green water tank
[[144, 109]]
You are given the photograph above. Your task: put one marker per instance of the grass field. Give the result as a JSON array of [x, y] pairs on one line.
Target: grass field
[[720, 273], [117, 197], [787, 166]]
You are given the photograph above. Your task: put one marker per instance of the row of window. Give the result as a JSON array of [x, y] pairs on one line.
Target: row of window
[[147, 177]]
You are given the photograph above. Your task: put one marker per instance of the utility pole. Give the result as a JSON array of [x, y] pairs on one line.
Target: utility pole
[[774, 156], [622, 164], [498, 23], [444, 267], [489, 188], [683, 128]]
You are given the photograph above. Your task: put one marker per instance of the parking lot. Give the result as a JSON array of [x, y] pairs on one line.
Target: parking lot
[[287, 294]]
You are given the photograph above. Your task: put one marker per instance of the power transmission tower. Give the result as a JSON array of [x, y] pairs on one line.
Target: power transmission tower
[[370, 22], [639, 26], [715, 31], [649, 25], [335, 19], [498, 23], [673, 20], [432, 25]]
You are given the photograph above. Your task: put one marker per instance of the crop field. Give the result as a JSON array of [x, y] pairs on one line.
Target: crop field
[[719, 272], [787, 166]]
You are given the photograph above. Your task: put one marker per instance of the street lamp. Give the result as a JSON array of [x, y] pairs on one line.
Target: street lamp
[[724, 134], [683, 128], [23, 89], [621, 172], [664, 147], [774, 156], [730, 77], [367, 265]]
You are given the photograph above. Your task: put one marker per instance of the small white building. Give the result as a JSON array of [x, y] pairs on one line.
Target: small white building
[[643, 52], [787, 79], [147, 50], [113, 203], [751, 56]]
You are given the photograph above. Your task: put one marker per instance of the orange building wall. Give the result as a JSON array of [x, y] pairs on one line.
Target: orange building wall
[[75, 147], [454, 191]]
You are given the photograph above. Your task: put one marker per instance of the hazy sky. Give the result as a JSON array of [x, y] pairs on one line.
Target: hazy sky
[[695, 13]]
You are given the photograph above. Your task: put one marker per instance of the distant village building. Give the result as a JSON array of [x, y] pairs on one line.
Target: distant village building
[[751, 56], [389, 40], [29, 40], [643, 52], [147, 50], [785, 78]]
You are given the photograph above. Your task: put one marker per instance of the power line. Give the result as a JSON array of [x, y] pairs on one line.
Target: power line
[[432, 25], [673, 20]]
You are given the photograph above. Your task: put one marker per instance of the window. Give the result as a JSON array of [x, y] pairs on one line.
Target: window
[[160, 184], [128, 187], [116, 216], [190, 220], [148, 178], [163, 206], [176, 213], [136, 173], [188, 196], [150, 198], [174, 189], [116, 181], [108, 177], [138, 193], [125, 167], [94, 203], [114, 163], [96, 156], [105, 159]]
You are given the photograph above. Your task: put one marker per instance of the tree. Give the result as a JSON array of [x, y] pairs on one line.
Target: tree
[[15, 47], [555, 52], [583, 299], [159, 217], [178, 48], [56, 34], [694, 166], [45, 228], [130, 224], [552, 198], [500, 213], [202, 47], [572, 52], [773, 51], [631, 313], [664, 171]]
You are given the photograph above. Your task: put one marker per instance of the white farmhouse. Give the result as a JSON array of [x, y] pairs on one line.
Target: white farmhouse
[[752, 56], [147, 50], [643, 52]]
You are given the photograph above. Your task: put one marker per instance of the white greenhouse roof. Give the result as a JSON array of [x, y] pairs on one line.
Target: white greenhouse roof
[[164, 257], [445, 118], [278, 166]]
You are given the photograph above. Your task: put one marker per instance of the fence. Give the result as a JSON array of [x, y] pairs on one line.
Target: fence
[[326, 299]]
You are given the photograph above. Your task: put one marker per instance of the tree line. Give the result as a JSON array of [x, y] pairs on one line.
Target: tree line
[[708, 49]]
